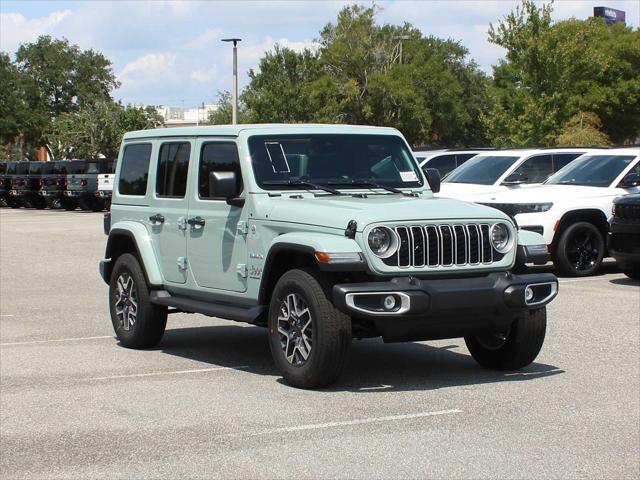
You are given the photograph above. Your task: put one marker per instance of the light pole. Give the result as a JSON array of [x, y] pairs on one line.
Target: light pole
[[234, 92]]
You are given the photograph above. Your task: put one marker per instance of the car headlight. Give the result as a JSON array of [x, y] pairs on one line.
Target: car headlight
[[382, 242], [500, 237], [532, 207]]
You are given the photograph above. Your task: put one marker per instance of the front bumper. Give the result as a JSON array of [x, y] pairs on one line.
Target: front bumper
[[623, 242], [444, 308]]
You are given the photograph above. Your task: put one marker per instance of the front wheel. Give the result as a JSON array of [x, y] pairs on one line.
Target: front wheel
[[137, 322], [580, 250], [309, 338], [513, 349]]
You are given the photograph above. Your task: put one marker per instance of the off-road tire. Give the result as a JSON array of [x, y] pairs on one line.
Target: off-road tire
[[151, 319], [331, 332], [561, 255], [69, 204], [521, 347]]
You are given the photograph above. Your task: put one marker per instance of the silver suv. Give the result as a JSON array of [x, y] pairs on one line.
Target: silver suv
[[321, 233]]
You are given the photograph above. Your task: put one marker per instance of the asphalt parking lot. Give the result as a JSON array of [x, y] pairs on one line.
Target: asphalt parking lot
[[209, 403]]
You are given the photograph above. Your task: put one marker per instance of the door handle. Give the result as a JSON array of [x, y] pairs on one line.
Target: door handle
[[157, 218], [196, 222]]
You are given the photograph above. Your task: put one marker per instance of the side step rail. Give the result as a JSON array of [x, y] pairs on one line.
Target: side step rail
[[255, 315]]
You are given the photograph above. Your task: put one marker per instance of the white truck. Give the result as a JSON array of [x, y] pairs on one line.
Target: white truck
[[105, 185], [571, 209]]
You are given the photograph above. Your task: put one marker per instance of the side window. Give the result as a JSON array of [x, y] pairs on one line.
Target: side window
[[135, 169], [536, 169], [563, 159], [444, 164], [463, 157], [217, 157], [173, 167]]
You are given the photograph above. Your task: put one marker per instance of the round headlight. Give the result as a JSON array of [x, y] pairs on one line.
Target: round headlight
[[500, 237], [382, 242]]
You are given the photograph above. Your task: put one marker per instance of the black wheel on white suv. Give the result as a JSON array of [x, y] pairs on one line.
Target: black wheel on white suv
[[137, 322], [514, 348], [309, 338], [580, 250]]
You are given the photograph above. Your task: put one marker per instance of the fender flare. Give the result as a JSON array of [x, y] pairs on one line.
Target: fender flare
[[144, 250], [309, 244]]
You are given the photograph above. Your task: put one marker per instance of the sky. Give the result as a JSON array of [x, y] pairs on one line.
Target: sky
[[169, 52]]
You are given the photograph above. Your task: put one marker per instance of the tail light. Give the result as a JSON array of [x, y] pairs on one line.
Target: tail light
[[1, 181], [41, 182], [83, 182]]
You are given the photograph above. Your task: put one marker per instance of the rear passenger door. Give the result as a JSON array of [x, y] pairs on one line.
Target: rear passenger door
[[216, 244], [167, 217]]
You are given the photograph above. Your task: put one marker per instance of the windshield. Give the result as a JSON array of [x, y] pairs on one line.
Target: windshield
[[592, 170], [278, 161], [483, 169]]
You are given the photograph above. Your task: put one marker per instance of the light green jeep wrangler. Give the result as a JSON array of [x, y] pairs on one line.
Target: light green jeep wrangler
[[321, 233]]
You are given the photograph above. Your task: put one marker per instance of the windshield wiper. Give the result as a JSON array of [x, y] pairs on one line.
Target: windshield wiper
[[303, 183], [370, 183]]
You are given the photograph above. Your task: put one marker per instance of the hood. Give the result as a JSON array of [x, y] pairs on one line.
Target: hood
[[545, 193], [337, 211], [472, 191]]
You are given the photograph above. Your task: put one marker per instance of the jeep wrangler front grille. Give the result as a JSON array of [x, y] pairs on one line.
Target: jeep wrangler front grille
[[425, 246]]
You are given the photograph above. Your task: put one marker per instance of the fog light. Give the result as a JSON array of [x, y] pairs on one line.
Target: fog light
[[528, 294], [389, 302]]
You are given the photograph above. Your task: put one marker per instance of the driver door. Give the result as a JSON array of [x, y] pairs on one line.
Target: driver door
[[216, 233]]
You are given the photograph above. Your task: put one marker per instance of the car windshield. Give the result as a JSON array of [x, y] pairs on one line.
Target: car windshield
[[285, 161], [483, 169], [97, 167], [591, 170]]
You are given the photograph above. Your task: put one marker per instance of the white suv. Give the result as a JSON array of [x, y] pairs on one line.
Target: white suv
[[572, 208], [501, 170], [444, 160]]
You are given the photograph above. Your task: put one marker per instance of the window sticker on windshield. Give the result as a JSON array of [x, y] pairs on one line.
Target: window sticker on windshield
[[277, 157], [409, 176]]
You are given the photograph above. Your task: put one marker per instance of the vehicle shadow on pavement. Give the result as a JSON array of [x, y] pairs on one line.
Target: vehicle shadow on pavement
[[624, 281], [373, 365]]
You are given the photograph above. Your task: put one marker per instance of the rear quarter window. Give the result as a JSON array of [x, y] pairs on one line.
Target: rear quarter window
[[134, 172]]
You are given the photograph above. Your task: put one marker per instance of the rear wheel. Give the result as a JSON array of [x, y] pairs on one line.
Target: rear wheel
[[512, 349], [309, 338], [137, 322], [69, 204], [580, 250]]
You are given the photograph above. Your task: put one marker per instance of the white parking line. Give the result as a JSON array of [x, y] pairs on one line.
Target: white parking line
[[173, 372], [31, 342], [361, 421]]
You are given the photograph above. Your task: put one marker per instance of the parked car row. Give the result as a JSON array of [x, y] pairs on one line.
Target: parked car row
[[566, 195], [67, 184]]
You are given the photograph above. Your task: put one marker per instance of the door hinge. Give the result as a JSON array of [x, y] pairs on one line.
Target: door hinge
[[182, 223], [242, 270], [182, 263], [243, 227]]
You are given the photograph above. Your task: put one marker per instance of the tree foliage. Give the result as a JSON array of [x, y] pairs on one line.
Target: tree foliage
[[356, 75], [224, 112], [49, 78], [553, 71], [583, 130], [97, 129]]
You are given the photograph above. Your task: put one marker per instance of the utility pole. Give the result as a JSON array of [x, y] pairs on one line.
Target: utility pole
[[234, 91]]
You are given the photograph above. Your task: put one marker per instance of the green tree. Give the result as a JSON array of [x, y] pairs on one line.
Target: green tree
[[583, 130], [97, 129], [553, 71], [58, 78], [224, 113], [431, 92]]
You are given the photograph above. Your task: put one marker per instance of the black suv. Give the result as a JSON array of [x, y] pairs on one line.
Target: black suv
[[16, 175], [53, 185], [624, 234], [4, 184]]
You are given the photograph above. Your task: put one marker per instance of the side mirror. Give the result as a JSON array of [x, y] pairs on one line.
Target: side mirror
[[630, 180], [223, 185], [433, 177], [515, 178]]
